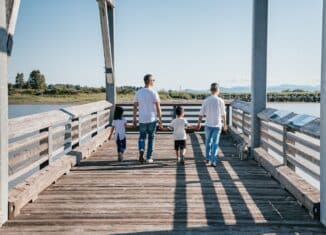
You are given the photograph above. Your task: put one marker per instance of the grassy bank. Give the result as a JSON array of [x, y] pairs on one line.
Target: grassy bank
[[52, 99], [81, 97]]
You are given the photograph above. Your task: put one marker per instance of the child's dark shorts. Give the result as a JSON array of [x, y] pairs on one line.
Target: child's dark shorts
[[179, 144]]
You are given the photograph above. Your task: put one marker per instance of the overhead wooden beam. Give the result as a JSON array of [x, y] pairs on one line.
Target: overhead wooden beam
[[106, 9], [259, 65], [323, 123], [3, 114]]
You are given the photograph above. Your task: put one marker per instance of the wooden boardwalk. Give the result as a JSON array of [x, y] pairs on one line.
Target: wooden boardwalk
[[102, 196]]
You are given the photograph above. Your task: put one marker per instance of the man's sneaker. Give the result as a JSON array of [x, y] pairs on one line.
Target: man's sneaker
[[141, 157], [213, 164], [120, 157], [149, 160]]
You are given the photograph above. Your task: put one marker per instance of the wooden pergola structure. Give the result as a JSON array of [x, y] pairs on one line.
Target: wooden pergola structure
[[8, 17]]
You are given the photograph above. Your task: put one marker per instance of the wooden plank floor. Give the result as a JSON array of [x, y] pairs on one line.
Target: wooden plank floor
[[102, 196]]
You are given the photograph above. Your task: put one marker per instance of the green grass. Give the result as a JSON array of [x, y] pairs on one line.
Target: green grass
[[51, 99]]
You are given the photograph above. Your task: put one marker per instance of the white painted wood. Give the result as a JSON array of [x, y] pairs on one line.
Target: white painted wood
[[259, 64], [323, 123], [107, 27], [3, 115], [111, 3], [13, 17], [28, 124], [85, 109], [50, 144]]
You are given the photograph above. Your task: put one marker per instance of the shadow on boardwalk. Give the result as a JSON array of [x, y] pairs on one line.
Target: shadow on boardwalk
[[103, 196]]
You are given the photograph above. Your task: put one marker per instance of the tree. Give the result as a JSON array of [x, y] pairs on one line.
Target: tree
[[37, 80], [19, 83]]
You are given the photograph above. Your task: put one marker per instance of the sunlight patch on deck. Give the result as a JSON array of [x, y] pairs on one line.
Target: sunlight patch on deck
[[255, 212]]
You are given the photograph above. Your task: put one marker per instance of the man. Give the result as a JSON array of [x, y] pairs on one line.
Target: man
[[147, 102], [213, 108]]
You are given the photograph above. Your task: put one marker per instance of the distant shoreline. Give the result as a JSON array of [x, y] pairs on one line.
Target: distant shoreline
[[80, 98]]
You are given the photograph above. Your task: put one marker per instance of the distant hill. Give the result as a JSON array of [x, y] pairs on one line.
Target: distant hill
[[246, 89]]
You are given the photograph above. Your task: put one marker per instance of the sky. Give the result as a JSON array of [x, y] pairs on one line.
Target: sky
[[186, 44]]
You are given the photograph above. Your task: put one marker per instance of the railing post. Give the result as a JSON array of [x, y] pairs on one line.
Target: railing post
[[97, 122], [50, 144], [3, 114], [285, 130], [228, 114], [323, 123], [259, 64], [243, 122], [79, 130]]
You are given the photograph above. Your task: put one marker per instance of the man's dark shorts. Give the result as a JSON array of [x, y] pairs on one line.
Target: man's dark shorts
[[179, 144]]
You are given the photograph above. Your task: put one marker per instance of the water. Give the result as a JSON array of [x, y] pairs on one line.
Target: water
[[300, 108], [18, 110], [27, 109]]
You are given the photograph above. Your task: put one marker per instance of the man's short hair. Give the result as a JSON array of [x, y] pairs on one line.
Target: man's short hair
[[215, 86], [147, 78], [178, 110]]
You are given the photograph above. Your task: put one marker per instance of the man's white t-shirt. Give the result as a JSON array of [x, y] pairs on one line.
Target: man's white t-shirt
[[120, 130], [179, 125], [146, 99], [213, 108]]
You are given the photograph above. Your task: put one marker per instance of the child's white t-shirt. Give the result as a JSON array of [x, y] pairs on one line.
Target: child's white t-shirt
[[120, 129], [179, 125]]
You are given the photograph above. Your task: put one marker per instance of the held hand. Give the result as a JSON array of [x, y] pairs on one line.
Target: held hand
[[198, 127], [135, 124], [225, 128], [160, 126]]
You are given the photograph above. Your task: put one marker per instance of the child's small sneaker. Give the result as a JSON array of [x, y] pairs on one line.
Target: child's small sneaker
[[178, 159], [182, 160], [149, 160]]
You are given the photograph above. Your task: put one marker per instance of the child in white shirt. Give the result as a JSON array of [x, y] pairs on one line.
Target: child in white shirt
[[119, 125], [179, 126]]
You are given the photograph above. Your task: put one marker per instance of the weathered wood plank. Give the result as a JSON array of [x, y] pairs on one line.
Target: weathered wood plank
[[304, 192], [104, 196], [85, 109]]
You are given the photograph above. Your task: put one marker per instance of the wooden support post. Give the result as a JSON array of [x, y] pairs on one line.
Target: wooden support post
[[97, 122], [50, 143], [106, 9], [228, 114], [259, 64], [80, 119], [323, 124], [284, 148], [3, 114], [243, 122]]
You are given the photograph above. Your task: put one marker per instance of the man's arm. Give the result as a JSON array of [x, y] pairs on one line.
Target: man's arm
[[200, 119], [111, 132], [135, 114], [225, 125], [159, 113], [201, 115]]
